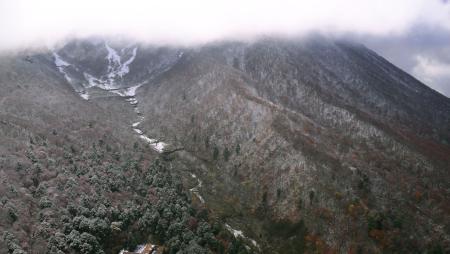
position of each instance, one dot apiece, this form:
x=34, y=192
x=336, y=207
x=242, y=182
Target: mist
x=390, y=27
x=25, y=23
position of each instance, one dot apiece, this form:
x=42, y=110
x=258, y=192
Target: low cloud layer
x=25, y=23
x=28, y=21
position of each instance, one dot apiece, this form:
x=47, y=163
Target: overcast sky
x=413, y=34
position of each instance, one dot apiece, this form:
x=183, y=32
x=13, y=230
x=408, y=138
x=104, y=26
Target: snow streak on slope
x=195, y=190
x=124, y=68
x=110, y=81
x=62, y=66
x=59, y=62
x=115, y=72
x=130, y=94
x=239, y=234
x=113, y=58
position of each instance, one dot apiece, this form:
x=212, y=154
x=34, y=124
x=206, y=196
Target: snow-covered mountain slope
x=110, y=77
x=95, y=68
x=314, y=144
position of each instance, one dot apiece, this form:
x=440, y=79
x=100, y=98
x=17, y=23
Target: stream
x=116, y=70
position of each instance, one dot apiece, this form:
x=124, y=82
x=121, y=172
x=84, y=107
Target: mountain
x=289, y=146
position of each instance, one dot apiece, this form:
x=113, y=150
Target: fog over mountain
x=419, y=26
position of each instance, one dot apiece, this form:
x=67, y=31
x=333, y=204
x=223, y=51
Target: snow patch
x=128, y=92
x=140, y=249
x=235, y=232
x=138, y=131
x=133, y=101
x=92, y=81
x=84, y=96
x=59, y=62
x=131, y=91
x=113, y=58
x=61, y=66
x=159, y=147
x=115, y=70
x=155, y=144
x=147, y=139
x=124, y=69
x=239, y=233
x=115, y=67
x=195, y=189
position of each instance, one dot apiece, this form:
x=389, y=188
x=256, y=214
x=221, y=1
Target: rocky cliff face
x=312, y=145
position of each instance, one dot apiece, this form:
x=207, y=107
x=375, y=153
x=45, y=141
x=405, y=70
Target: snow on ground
x=138, y=131
x=84, y=96
x=195, y=189
x=200, y=183
x=140, y=248
x=115, y=67
x=113, y=60
x=127, y=92
x=61, y=65
x=124, y=69
x=131, y=91
x=254, y=242
x=147, y=139
x=115, y=70
x=159, y=147
x=155, y=144
x=236, y=233
x=132, y=101
x=239, y=233
x=59, y=62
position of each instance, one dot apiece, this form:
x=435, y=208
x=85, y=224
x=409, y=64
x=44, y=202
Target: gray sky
x=413, y=34
x=422, y=51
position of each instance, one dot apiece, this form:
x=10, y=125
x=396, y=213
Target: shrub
x=44, y=202
x=226, y=154
x=216, y=153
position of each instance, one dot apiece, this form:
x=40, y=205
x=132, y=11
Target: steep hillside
x=283, y=146
x=324, y=136
x=75, y=177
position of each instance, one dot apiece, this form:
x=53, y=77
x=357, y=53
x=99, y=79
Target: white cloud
x=27, y=22
x=434, y=73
